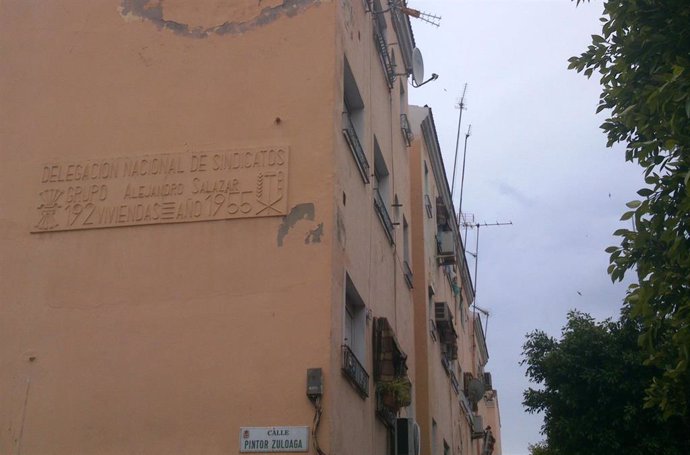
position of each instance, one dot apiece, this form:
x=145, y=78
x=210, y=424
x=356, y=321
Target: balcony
x=446, y=363
x=355, y=147
x=382, y=46
x=406, y=129
x=387, y=415
x=393, y=386
x=382, y=211
x=454, y=382
x=355, y=372
x=428, y=206
x=432, y=329
x=408, y=274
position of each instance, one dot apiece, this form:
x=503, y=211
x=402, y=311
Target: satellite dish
x=417, y=66
x=475, y=389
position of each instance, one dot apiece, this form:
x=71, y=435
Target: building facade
x=456, y=401
x=209, y=234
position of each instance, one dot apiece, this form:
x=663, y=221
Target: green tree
x=643, y=58
x=591, y=388
x=540, y=448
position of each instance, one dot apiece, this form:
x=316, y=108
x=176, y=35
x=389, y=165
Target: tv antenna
x=422, y=16
x=462, y=107
x=487, y=314
x=476, y=247
x=464, y=156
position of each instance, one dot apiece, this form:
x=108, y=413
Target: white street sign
x=274, y=439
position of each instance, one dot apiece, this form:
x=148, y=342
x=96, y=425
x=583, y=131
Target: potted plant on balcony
x=395, y=394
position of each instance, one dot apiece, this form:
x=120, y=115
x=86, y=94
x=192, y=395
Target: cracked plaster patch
x=244, y=16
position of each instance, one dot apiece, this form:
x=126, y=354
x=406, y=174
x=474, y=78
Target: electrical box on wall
x=314, y=382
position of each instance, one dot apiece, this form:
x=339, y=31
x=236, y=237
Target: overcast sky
x=536, y=157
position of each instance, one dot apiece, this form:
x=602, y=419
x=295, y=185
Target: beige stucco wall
x=165, y=338
x=361, y=248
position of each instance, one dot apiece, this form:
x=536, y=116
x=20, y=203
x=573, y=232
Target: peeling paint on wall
x=314, y=235
x=299, y=212
x=153, y=11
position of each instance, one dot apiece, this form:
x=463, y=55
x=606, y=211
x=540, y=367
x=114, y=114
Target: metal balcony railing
x=384, y=56
x=355, y=372
x=408, y=274
x=454, y=382
x=432, y=329
x=427, y=205
x=446, y=363
x=406, y=129
x=355, y=147
x=385, y=218
x=387, y=416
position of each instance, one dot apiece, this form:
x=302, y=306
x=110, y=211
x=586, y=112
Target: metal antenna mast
x=462, y=107
x=487, y=314
x=464, y=155
x=476, y=248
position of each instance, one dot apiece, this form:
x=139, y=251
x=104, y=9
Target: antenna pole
x=476, y=263
x=464, y=155
x=457, y=139
x=476, y=250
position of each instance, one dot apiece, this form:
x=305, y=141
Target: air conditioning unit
x=477, y=424
x=446, y=243
x=442, y=313
x=487, y=382
x=407, y=439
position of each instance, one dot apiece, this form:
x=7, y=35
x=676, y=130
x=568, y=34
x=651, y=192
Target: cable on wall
x=315, y=425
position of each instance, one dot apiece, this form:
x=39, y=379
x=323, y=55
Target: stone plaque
x=162, y=188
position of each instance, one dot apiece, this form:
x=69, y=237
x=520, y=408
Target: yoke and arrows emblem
x=270, y=189
x=48, y=209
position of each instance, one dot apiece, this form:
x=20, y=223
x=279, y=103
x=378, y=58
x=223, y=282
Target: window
x=355, y=321
x=405, y=127
x=354, y=340
x=406, y=253
x=427, y=200
x=426, y=178
x=353, y=121
x=382, y=191
x=463, y=311
x=446, y=448
x=432, y=322
x=381, y=174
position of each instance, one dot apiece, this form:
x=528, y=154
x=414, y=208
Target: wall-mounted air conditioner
x=407, y=437
x=477, y=424
x=446, y=243
x=442, y=313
